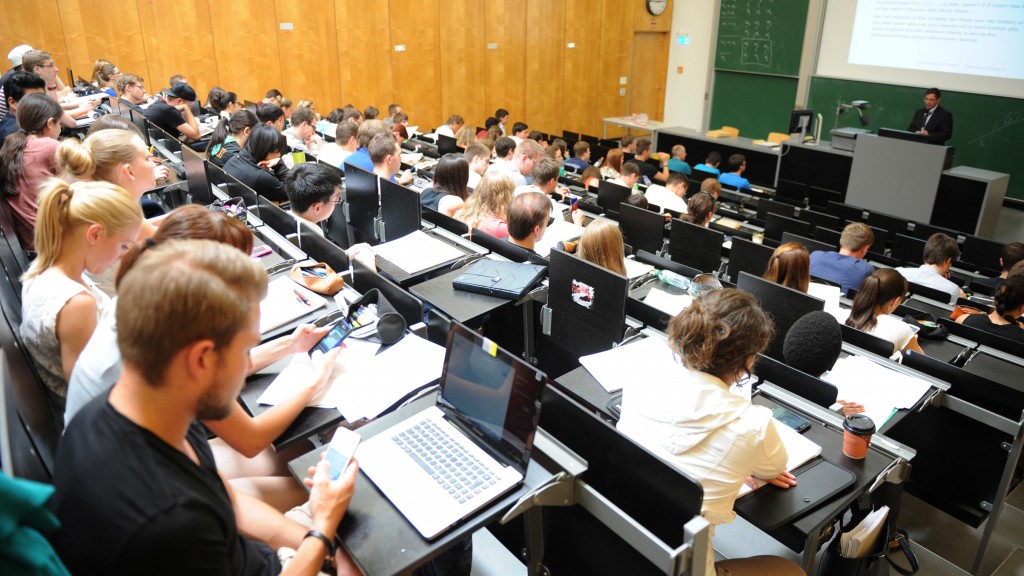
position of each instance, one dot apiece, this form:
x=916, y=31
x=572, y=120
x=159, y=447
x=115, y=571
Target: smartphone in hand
x=341, y=329
x=340, y=451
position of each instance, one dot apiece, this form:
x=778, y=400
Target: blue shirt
x=847, y=271
x=733, y=179
x=677, y=165
x=707, y=168
x=578, y=163
x=360, y=159
x=8, y=126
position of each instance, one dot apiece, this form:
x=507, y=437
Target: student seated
x=591, y=178
x=557, y=149
x=939, y=252
x=612, y=164
x=271, y=115
x=345, y=143
x=528, y=219
x=671, y=195
x=81, y=227
x=711, y=163
x=302, y=135
x=386, y=155
x=602, y=244
x=813, y=345
x=847, y=266
x=649, y=174
x=451, y=127
x=230, y=136
x=133, y=94
x=580, y=156
x=173, y=114
x=734, y=178
x=700, y=209
x=487, y=207
x=711, y=186
x=15, y=87
x=313, y=193
x=790, y=267
x=700, y=418
x=364, y=135
x=1008, y=256
x=449, y=192
x=137, y=488
x=259, y=165
x=629, y=175
x=478, y=155
x=677, y=163
x=1007, y=308
x=879, y=295
x=28, y=160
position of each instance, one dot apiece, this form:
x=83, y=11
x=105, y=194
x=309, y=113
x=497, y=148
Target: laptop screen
x=491, y=394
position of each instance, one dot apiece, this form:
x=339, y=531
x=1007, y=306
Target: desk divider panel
x=588, y=304
x=611, y=195
x=642, y=229
x=444, y=221
x=499, y=246
x=869, y=342
x=802, y=384
x=695, y=246
x=323, y=250
x=410, y=307
x=362, y=200
x=399, y=210
x=280, y=221
x=981, y=252
x=747, y=256
x=784, y=305
x=776, y=224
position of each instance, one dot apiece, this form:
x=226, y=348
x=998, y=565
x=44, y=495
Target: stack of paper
x=558, y=231
x=863, y=539
x=670, y=304
x=799, y=450
x=830, y=294
x=364, y=383
x=286, y=301
x=880, y=390
x=417, y=252
x=646, y=360
x=636, y=269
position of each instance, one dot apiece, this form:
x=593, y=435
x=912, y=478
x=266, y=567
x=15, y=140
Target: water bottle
x=673, y=279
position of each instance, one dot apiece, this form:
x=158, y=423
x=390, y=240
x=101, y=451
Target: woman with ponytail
x=700, y=209
x=85, y=226
x=27, y=160
x=699, y=418
x=878, y=296
x=229, y=136
x=1008, y=307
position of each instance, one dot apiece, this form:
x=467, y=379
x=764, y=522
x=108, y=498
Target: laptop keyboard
x=459, y=473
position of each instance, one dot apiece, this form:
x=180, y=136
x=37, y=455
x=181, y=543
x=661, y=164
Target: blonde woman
x=487, y=207
x=85, y=226
x=602, y=244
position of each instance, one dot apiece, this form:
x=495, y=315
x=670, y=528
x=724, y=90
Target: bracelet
x=320, y=536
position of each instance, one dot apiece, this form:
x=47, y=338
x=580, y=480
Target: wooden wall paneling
x=581, y=68
x=116, y=37
x=245, y=44
x=309, y=68
x=545, y=37
x=645, y=22
x=650, y=61
x=178, y=40
x=416, y=71
x=615, y=53
x=505, y=85
x=364, y=54
x=463, y=60
x=36, y=23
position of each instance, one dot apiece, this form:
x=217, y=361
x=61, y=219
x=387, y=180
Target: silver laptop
x=448, y=461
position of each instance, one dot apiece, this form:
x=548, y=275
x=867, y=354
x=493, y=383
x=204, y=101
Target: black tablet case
x=817, y=482
x=500, y=278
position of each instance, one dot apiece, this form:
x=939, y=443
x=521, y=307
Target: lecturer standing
x=933, y=120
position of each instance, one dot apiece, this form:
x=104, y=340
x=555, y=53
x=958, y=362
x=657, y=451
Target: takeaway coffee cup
x=857, y=432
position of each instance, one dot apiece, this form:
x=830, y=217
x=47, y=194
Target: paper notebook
x=799, y=449
x=648, y=358
x=417, y=252
x=286, y=301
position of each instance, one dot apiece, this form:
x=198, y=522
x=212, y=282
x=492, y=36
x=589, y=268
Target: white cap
x=16, y=53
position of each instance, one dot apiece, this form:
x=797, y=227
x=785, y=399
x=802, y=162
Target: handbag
x=877, y=562
x=319, y=278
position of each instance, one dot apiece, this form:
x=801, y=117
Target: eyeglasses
x=50, y=65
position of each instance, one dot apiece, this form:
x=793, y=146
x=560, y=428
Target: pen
x=300, y=297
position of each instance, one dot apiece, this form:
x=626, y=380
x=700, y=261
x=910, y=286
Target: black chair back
x=695, y=246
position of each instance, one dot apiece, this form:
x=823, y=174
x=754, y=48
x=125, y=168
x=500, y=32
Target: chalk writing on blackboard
x=1008, y=120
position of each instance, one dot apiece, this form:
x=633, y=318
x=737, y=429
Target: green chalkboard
x=754, y=103
x=988, y=131
x=763, y=36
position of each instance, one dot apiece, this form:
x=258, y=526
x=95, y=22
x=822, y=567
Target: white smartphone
x=340, y=451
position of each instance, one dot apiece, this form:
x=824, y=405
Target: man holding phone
x=137, y=488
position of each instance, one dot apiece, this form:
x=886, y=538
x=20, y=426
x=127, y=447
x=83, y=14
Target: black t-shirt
x=1008, y=331
x=646, y=170
x=129, y=503
x=166, y=117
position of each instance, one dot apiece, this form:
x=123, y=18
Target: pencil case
x=318, y=277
